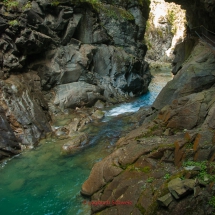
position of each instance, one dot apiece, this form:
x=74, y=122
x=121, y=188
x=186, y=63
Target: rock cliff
x=164, y=29
x=64, y=54
x=166, y=166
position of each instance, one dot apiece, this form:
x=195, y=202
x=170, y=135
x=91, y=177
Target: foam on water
x=144, y=100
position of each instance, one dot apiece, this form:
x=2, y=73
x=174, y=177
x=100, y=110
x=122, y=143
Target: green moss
x=150, y=180
x=212, y=202
x=207, y=169
x=145, y=169
x=166, y=176
x=55, y=3
x=171, y=17
x=27, y=6
x=13, y=23
x=11, y=4
x=160, y=33
x=140, y=208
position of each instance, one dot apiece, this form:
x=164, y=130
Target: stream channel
x=43, y=182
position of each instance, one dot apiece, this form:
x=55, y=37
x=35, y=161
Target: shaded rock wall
x=69, y=54
x=199, y=12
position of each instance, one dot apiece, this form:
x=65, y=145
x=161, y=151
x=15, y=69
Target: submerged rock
x=98, y=114
x=77, y=141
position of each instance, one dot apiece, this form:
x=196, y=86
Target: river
x=43, y=182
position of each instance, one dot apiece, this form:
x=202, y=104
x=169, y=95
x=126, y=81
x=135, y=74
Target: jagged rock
x=77, y=140
x=165, y=200
x=32, y=42
x=71, y=27
x=176, y=188
x=182, y=52
x=3, y=24
x=26, y=107
x=111, y=68
x=65, y=64
x=179, y=188
x=89, y=31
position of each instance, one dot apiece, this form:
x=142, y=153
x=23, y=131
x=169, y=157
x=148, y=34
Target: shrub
x=11, y=4
x=13, y=23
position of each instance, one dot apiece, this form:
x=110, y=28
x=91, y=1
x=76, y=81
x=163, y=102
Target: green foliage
x=212, y=201
x=205, y=167
x=171, y=16
x=11, y=4
x=150, y=180
x=174, y=30
x=167, y=176
x=27, y=6
x=13, y=23
x=113, y=11
x=189, y=145
x=160, y=33
x=109, y=10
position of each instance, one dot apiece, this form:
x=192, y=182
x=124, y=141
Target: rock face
x=200, y=12
x=8, y=142
x=165, y=28
x=147, y=164
x=67, y=55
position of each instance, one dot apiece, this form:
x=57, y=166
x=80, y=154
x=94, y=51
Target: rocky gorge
x=64, y=55
x=166, y=165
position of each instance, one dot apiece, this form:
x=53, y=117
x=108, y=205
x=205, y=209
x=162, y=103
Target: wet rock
x=16, y=185
x=98, y=114
x=77, y=141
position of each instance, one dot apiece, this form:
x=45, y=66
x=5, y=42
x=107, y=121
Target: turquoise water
x=42, y=181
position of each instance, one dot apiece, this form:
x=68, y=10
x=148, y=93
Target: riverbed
x=43, y=181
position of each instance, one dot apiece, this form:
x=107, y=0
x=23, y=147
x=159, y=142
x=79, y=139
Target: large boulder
x=77, y=94
x=196, y=75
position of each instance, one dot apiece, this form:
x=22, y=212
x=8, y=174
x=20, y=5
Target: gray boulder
x=77, y=94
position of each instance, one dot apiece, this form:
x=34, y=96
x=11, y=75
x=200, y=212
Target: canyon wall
x=67, y=54
x=166, y=166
